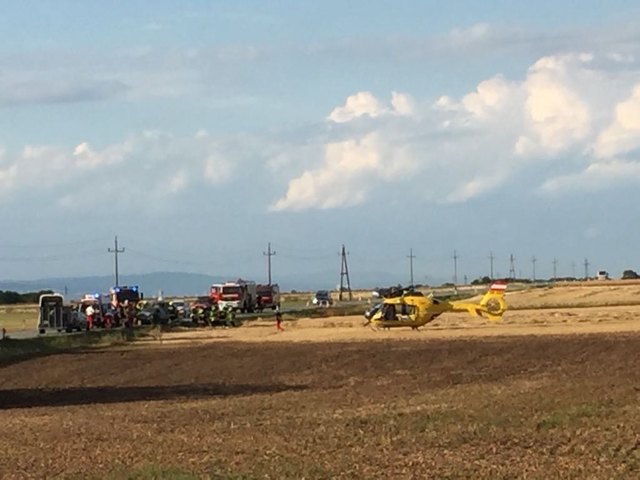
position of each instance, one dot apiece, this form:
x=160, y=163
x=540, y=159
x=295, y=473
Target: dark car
x=322, y=298
x=156, y=313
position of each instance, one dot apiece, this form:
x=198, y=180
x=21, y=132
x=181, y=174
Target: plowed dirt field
x=551, y=393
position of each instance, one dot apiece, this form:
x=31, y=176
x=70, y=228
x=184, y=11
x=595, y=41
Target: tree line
x=13, y=298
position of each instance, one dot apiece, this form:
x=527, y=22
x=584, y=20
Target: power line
x=269, y=254
x=344, y=272
x=512, y=267
x=491, y=258
x=411, y=256
x=586, y=269
x=455, y=267
x=115, y=252
x=533, y=262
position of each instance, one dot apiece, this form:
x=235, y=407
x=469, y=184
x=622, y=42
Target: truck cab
x=268, y=296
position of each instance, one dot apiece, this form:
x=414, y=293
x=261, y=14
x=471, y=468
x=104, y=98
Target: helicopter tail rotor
x=493, y=304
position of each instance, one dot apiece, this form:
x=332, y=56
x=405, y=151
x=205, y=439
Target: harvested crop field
x=549, y=393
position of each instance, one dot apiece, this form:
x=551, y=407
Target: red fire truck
x=268, y=297
x=238, y=295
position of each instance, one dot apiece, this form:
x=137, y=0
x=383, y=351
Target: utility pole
x=512, y=267
x=555, y=268
x=344, y=272
x=533, y=262
x=269, y=254
x=455, y=267
x=411, y=256
x=586, y=269
x=573, y=269
x=491, y=257
x=115, y=252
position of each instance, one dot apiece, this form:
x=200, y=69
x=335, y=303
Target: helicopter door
x=407, y=313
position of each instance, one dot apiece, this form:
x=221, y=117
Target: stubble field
x=550, y=393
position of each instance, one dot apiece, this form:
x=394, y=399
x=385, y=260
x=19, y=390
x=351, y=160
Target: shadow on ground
x=42, y=397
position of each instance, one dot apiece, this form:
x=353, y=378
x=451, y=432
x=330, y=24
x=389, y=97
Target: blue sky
x=198, y=131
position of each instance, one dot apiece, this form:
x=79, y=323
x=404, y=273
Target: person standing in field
x=279, y=320
x=89, y=312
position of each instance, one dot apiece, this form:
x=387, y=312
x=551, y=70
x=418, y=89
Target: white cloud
x=366, y=104
x=402, y=104
x=597, y=176
x=623, y=135
x=86, y=157
x=362, y=103
x=474, y=187
x=148, y=168
x=566, y=121
x=464, y=148
x=340, y=182
x=490, y=96
x=557, y=116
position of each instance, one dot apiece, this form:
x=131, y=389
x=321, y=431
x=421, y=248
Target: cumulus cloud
x=160, y=165
x=623, y=135
x=490, y=96
x=571, y=122
x=557, y=115
x=339, y=182
x=362, y=103
x=366, y=104
x=561, y=121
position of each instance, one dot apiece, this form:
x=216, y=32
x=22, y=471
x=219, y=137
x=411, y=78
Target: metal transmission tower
x=344, y=272
x=491, y=258
x=115, y=252
x=411, y=256
x=455, y=267
x=269, y=254
x=586, y=269
x=555, y=269
x=512, y=267
x=533, y=262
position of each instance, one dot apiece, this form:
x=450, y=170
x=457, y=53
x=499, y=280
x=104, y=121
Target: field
x=18, y=317
x=553, y=392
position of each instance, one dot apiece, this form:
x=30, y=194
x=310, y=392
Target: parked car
x=322, y=298
x=156, y=313
x=181, y=308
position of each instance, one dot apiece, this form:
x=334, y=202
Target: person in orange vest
x=279, y=320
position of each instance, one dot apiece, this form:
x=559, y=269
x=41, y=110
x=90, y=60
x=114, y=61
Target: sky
x=200, y=131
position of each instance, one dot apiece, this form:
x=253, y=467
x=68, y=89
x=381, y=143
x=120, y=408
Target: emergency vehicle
x=268, y=297
x=238, y=295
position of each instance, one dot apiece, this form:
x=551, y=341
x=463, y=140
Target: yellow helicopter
x=409, y=308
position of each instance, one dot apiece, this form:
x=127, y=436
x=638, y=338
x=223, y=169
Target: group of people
x=112, y=315
x=115, y=313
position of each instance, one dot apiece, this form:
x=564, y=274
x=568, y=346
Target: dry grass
x=329, y=399
x=18, y=317
x=535, y=407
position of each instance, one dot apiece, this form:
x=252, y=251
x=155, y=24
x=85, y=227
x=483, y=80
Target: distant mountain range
x=190, y=284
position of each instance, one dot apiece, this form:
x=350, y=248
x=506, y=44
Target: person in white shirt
x=89, y=312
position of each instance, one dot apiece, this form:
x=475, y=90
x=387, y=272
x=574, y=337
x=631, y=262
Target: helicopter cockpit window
x=406, y=311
